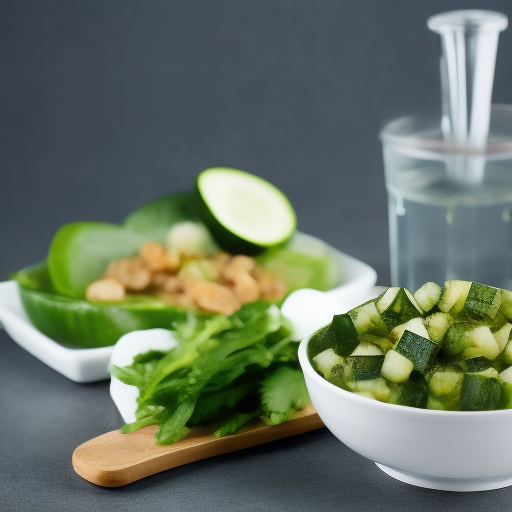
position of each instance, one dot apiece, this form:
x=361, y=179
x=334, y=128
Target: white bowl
x=447, y=450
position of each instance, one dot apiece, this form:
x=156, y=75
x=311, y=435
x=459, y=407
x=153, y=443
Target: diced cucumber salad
x=445, y=348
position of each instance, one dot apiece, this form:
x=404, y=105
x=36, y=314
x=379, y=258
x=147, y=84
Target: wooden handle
x=116, y=459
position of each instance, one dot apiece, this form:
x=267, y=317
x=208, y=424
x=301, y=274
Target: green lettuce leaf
x=215, y=374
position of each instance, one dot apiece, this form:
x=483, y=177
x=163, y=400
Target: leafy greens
x=224, y=372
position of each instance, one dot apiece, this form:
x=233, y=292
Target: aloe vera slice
x=79, y=323
x=80, y=252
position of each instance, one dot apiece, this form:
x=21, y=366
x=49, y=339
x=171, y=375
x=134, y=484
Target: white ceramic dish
x=446, y=450
x=80, y=365
x=89, y=365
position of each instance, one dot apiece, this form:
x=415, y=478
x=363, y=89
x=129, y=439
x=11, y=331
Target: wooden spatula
x=116, y=459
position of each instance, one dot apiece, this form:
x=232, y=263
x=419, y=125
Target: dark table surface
x=106, y=105
x=44, y=417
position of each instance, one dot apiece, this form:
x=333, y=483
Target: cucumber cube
x=417, y=349
x=467, y=340
x=437, y=325
x=396, y=367
x=383, y=343
x=326, y=360
x=480, y=393
x=367, y=349
x=367, y=319
x=412, y=393
x=489, y=372
x=454, y=296
x=374, y=388
x=340, y=335
x=502, y=336
x=398, y=306
x=477, y=364
x=387, y=298
x=428, y=296
x=506, y=375
x=506, y=303
x=436, y=404
x=365, y=367
x=507, y=353
x=396, y=333
x=484, y=343
x=445, y=383
x=416, y=326
x=482, y=301
x=343, y=334
x=506, y=395
x=339, y=375
x=319, y=342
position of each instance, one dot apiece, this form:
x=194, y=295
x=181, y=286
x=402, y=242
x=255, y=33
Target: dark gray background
x=105, y=105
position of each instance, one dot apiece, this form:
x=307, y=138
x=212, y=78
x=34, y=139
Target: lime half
x=245, y=213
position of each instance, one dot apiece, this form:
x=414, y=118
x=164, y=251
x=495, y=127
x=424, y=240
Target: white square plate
x=80, y=364
x=90, y=364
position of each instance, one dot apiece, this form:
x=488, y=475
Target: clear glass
x=442, y=224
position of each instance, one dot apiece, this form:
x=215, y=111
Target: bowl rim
x=308, y=369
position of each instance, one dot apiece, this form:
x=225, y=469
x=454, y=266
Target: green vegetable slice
x=86, y=324
x=245, y=213
x=396, y=367
x=502, y=336
x=340, y=335
x=80, y=252
x=437, y=324
x=506, y=303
